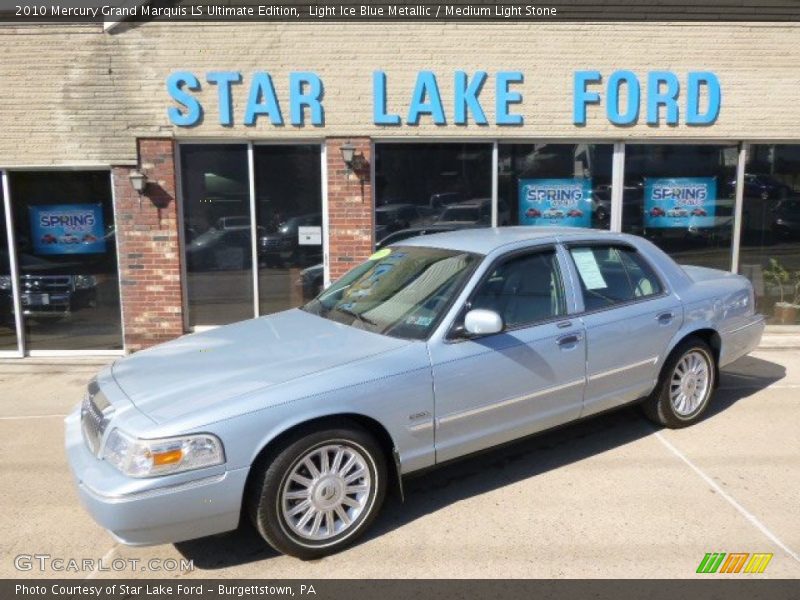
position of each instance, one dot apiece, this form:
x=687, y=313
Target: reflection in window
x=217, y=233
x=289, y=217
x=609, y=275
x=523, y=290
x=423, y=188
x=555, y=184
x=682, y=198
x=770, y=240
x=8, y=335
x=66, y=251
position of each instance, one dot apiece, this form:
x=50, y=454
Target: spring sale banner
x=564, y=202
x=67, y=229
x=678, y=202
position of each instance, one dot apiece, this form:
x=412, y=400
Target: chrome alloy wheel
x=326, y=491
x=690, y=384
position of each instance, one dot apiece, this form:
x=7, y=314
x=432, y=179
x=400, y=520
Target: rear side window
x=612, y=275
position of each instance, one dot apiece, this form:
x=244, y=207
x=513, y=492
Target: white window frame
x=22, y=345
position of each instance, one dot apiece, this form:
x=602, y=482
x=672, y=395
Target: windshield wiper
x=352, y=313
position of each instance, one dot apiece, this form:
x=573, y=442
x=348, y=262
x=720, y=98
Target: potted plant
x=785, y=312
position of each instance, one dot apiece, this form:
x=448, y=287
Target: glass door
x=288, y=185
x=246, y=201
x=217, y=233
x=9, y=338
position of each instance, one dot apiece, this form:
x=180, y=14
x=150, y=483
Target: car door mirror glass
x=480, y=321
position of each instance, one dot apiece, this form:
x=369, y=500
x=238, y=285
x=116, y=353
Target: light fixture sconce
x=348, y=154
x=138, y=181
x=355, y=161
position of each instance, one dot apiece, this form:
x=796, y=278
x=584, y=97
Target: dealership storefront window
x=221, y=203
x=441, y=185
x=769, y=252
x=555, y=184
x=65, y=252
x=8, y=329
x=681, y=197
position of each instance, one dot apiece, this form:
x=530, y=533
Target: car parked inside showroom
x=433, y=349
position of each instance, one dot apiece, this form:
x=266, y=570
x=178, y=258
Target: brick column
x=149, y=253
x=350, y=206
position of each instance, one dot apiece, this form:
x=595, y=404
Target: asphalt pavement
x=608, y=497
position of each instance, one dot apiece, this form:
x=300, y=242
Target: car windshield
x=401, y=291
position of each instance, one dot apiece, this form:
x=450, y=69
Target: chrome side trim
x=160, y=491
x=493, y=406
x=760, y=320
x=641, y=363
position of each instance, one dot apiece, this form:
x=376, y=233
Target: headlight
x=83, y=282
x=150, y=458
x=5, y=282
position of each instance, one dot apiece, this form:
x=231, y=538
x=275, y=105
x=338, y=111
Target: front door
x=530, y=377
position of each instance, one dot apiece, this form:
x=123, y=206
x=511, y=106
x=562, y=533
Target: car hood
x=198, y=371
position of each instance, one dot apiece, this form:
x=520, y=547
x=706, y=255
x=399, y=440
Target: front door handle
x=569, y=340
x=665, y=318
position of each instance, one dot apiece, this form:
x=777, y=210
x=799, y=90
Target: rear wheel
x=684, y=387
x=320, y=492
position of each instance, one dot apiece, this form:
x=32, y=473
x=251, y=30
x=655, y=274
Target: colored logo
x=735, y=562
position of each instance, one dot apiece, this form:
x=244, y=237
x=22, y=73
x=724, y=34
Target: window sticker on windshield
x=381, y=254
x=419, y=321
x=588, y=268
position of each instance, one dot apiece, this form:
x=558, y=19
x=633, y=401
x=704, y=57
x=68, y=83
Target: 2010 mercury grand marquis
x=430, y=350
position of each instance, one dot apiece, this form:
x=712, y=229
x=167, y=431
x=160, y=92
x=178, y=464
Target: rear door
x=527, y=378
x=630, y=317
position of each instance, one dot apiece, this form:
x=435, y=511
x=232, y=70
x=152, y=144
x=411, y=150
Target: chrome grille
x=45, y=283
x=94, y=417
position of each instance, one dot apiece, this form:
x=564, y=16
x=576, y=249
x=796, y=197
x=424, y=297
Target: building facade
x=160, y=178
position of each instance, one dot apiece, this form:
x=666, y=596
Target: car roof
x=484, y=240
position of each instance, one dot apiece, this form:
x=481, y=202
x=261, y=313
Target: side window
x=612, y=275
x=523, y=290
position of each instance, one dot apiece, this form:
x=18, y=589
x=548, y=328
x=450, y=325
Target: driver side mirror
x=480, y=321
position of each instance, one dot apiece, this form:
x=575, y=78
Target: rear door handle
x=665, y=318
x=569, y=340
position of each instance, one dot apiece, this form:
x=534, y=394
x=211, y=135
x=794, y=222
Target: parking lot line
x=730, y=499
x=96, y=571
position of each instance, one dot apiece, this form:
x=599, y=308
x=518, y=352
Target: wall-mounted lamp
x=348, y=154
x=138, y=181
x=355, y=161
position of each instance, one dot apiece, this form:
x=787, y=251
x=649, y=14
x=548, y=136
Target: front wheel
x=684, y=387
x=321, y=491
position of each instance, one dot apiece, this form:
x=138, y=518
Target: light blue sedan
x=430, y=350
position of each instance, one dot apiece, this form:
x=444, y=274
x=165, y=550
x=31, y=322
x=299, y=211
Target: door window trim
x=496, y=262
x=621, y=244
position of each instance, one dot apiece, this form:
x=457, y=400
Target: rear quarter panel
x=723, y=302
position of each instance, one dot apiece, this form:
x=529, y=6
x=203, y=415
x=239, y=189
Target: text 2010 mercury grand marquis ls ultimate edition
x=432, y=349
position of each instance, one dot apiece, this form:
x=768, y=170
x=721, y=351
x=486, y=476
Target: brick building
x=123, y=227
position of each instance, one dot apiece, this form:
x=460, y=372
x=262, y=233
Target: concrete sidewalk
x=608, y=497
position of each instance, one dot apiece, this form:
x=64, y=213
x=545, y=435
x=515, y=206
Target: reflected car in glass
x=301, y=421
x=48, y=290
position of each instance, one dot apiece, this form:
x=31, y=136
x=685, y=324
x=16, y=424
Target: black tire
x=265, y=495
x=659, y=407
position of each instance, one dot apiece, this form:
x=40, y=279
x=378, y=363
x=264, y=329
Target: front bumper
x=157, y=510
